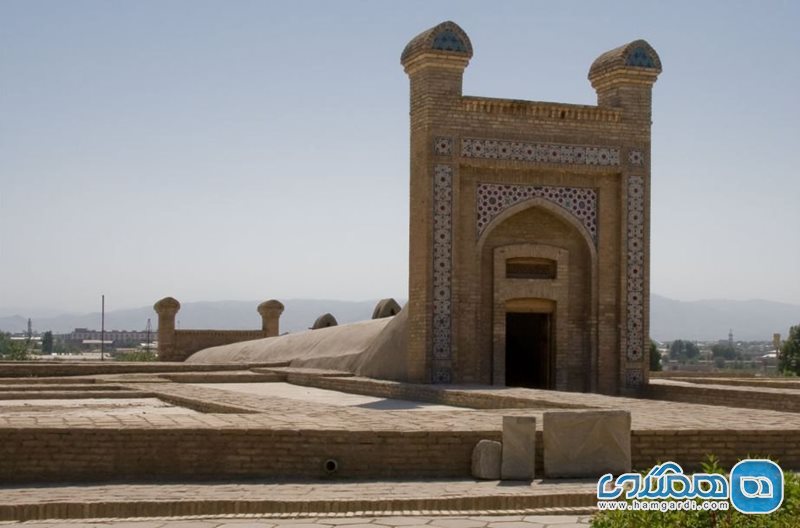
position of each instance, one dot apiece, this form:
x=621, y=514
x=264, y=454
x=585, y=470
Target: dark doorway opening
x=528, y=350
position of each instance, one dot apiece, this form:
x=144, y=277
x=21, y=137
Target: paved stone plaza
x=401, y=448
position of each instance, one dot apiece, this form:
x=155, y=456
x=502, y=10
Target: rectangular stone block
x=519, y=448
x=586, y=443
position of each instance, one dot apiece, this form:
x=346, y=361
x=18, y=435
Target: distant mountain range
x=299, y=314
x=754, y=320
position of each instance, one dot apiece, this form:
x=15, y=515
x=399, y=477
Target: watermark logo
x=756, y=486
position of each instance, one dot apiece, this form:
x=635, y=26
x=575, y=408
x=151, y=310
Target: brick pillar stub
x=270, y=312
x=167, y=308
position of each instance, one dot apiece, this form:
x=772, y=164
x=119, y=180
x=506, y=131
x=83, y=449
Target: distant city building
x=24, y=337
x=117, y=337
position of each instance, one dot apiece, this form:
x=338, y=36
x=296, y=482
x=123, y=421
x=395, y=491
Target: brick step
x=97, y=508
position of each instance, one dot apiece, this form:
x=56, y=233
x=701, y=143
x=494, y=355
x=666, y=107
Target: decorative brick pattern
x=442, y=270
x=443, y=146
x=635, y=157
x=539, y=152
x=492, y=199
x=635, y=275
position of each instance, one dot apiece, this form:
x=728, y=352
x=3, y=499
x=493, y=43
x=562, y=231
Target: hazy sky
x=255, y=149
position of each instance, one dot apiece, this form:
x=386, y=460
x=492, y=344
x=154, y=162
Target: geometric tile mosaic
x=447, y=40
x=539, y=152
x=442, y=374
x=635, y=274
x=443, y=146
x=640, y=58
x=634, y=378
x=442, y=270
x=635, y=157
x=494, y=198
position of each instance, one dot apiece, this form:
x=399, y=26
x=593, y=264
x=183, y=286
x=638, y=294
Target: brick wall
x=187, y=342
x=29, y=455
x=766, y=398
x=688, y=448
x=42, y=369
x=116, y=454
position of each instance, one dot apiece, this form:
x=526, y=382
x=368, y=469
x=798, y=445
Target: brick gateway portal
x=521, y=208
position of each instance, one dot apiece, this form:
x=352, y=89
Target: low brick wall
x=689, y=448
x=769, y=399
x=770, y=383
x=699, y=374
x=58, y=394
x=223, y=377
x=43, y=369
x=48, y=455
x=187, y=342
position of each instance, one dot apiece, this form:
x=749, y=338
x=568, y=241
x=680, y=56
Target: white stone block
x=519, y=448
x=586, y=444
